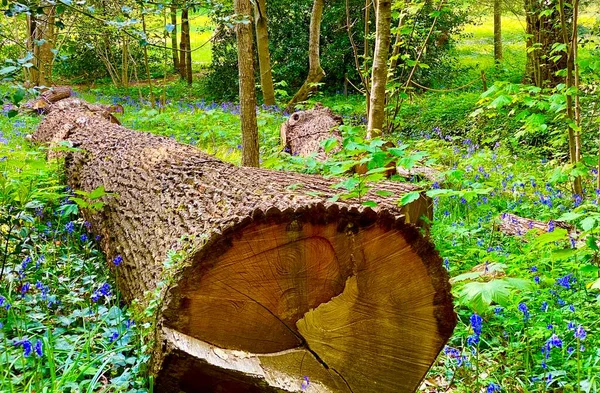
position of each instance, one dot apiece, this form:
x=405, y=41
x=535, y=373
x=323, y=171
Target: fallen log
x=47, y=98
x=280, y=289
x=305, y=131
x=514, y=225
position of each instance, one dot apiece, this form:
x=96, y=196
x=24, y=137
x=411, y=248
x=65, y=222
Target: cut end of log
x=355, y=301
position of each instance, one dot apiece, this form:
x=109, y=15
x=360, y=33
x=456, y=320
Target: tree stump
x=280, y=289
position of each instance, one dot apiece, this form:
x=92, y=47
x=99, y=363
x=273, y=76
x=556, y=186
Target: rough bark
x=264, y=56
x=514, y=225
x=498, y=30
x=279, y=283
x=41, y=29
x=315, y=71
x=380, y=68
x=245, y=45
x=303, y=133
x=174, y=38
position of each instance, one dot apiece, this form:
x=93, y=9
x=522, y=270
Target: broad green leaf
x=409, y=197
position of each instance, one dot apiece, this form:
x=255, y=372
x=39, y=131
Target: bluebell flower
x=473, y=340
x=580, y=333
x=113, y=337
x=571, y=325
x=566, y=281
x=39, y=349
x=25, y=288
x=27, y=347
x=523, y=308
x=536, y=279
x=118, y=259
x=498, y=310
x=550, y=226
x=476, y=323
x=493, y=387
x=83, y=238
x=70, y=227
x=447, y=264
x=534, y=269
x=544, y=307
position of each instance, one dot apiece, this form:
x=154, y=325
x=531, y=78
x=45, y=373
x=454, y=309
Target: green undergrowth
x=63, y=327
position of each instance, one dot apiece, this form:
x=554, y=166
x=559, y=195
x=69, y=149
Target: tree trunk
x=543, y=31
x=174, y=38
x=380, y=68
x=315, y=72
x=264, y=57
x=41, y=29
x=125, y=62
x=147, y=63
x=273, y=285
x=498, y=30
x=185, y=61
x=571, y=42
x=243, y=32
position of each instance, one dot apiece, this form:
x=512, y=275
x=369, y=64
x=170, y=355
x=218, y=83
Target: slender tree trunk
x=571, y=43
x=183, y=44
x=380, y=68
x=174, y=38
x=147, y=63
x=262, y=47
x=185, y=62
x=315, y=72
x=397, y=43
x=125, y=62
x=366, y=54
x=498, y=30
x=243, y=32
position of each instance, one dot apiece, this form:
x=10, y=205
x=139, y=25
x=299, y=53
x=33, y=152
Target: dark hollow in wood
x=280, y=283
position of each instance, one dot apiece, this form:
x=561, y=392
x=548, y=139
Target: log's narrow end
x=357, y=293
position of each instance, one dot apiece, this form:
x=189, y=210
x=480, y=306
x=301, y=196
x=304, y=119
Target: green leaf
x=384, y=193
x=8, y=70
x=97, y=193
x=588, y=223
x=500, y=101
x=592, y=243
x=370, y=203
x=409, y=197
x=569, y=216
x=551, y=237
